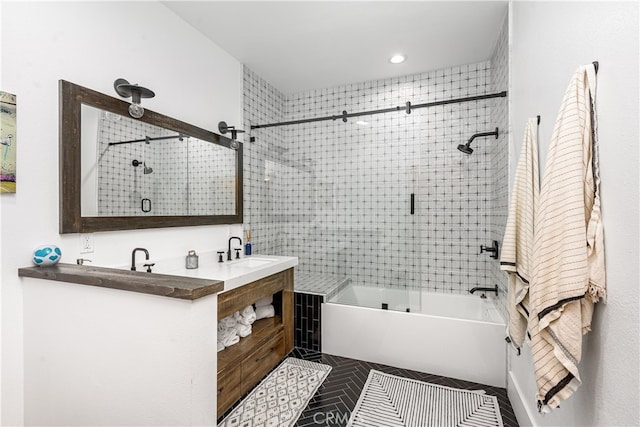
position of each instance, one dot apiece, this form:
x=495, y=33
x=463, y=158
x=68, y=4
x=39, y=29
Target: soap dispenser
x=247, y=246
x=192, y=260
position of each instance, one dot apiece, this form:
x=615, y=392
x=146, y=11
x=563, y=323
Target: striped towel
x=516, y=257
x=569, y=271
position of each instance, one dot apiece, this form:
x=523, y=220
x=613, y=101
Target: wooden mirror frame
x=71, y=98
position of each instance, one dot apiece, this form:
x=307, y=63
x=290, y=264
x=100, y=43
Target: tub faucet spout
x=133, y=257
x=494, y=289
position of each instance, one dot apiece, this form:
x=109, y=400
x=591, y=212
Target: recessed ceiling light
x=398, y=58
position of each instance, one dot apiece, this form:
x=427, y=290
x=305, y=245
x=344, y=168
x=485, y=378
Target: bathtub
x=458, y=336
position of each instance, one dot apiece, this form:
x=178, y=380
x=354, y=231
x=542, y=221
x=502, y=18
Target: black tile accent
x=337, y=396
x=307, y=321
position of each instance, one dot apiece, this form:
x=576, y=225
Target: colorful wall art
x=7, y=143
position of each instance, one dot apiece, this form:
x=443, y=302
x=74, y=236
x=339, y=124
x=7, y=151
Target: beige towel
x=569, y=271
x=516, y=257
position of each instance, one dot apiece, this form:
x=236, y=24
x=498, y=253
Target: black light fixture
x=223, y=127
x=136, y=93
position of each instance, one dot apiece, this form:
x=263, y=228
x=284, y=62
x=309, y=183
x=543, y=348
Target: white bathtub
x=457, y=336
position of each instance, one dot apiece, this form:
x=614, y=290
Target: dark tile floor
x=337, y=396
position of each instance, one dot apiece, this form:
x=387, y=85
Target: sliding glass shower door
x=364, y=210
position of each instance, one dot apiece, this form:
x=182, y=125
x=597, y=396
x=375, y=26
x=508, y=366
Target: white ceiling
x=303, y=45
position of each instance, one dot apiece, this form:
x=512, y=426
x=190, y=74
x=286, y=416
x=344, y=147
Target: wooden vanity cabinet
x=242, y=366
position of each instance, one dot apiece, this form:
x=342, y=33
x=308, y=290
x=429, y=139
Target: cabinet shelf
x=261, y=331
x=243, y=365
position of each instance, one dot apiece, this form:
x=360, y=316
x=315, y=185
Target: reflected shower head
x=147, y=170
x=465, y=148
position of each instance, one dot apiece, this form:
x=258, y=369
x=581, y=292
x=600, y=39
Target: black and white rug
x=387, y=400
x=281, y=397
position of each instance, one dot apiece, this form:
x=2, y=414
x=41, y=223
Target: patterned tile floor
x=337, y=396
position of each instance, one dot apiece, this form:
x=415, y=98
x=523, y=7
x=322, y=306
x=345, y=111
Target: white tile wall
x=337, y=194
x=263, y=193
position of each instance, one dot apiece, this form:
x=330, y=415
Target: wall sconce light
x=223, y=127
x=136, y=93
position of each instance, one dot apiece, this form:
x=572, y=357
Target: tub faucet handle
x=220, y=254
x=149, y=265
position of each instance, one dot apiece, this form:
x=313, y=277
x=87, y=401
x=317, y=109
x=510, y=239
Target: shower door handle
x=413, y=203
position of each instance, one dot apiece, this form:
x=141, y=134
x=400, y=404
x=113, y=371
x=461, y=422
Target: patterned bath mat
x=387, y=400
x=281, y=397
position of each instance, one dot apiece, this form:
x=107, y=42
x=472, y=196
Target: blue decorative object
x=46, y=255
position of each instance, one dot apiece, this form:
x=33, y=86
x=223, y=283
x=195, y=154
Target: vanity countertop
x=135, y=281
x=234, y=274
x=170, y=277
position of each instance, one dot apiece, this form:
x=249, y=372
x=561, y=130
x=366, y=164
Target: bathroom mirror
x=120, y=173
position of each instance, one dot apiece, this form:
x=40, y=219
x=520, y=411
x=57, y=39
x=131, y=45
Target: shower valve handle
x=493, y=249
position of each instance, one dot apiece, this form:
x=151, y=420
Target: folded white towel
x=243, y=330
x=247, y=311
x=221, y=327
x=265, y=311
x=228, y=336
x=231, y=341
x=230, y=321
x=220, y=346
x=226, y=333
x=247, y=320
x=264, y=301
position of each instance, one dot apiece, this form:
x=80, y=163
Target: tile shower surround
x=337, y=194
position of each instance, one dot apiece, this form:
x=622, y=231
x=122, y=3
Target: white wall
x=145, y=360
x=550, y=40
x=92, y=44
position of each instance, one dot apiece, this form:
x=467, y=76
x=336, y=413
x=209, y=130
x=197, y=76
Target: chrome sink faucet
x=229, y=247
x=133, y=257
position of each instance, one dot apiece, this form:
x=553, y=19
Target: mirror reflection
x=121, y=173
x=133, y=168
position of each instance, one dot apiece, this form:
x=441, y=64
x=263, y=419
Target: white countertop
x=234, y=274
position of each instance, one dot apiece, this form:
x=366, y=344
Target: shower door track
x=408, y=107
